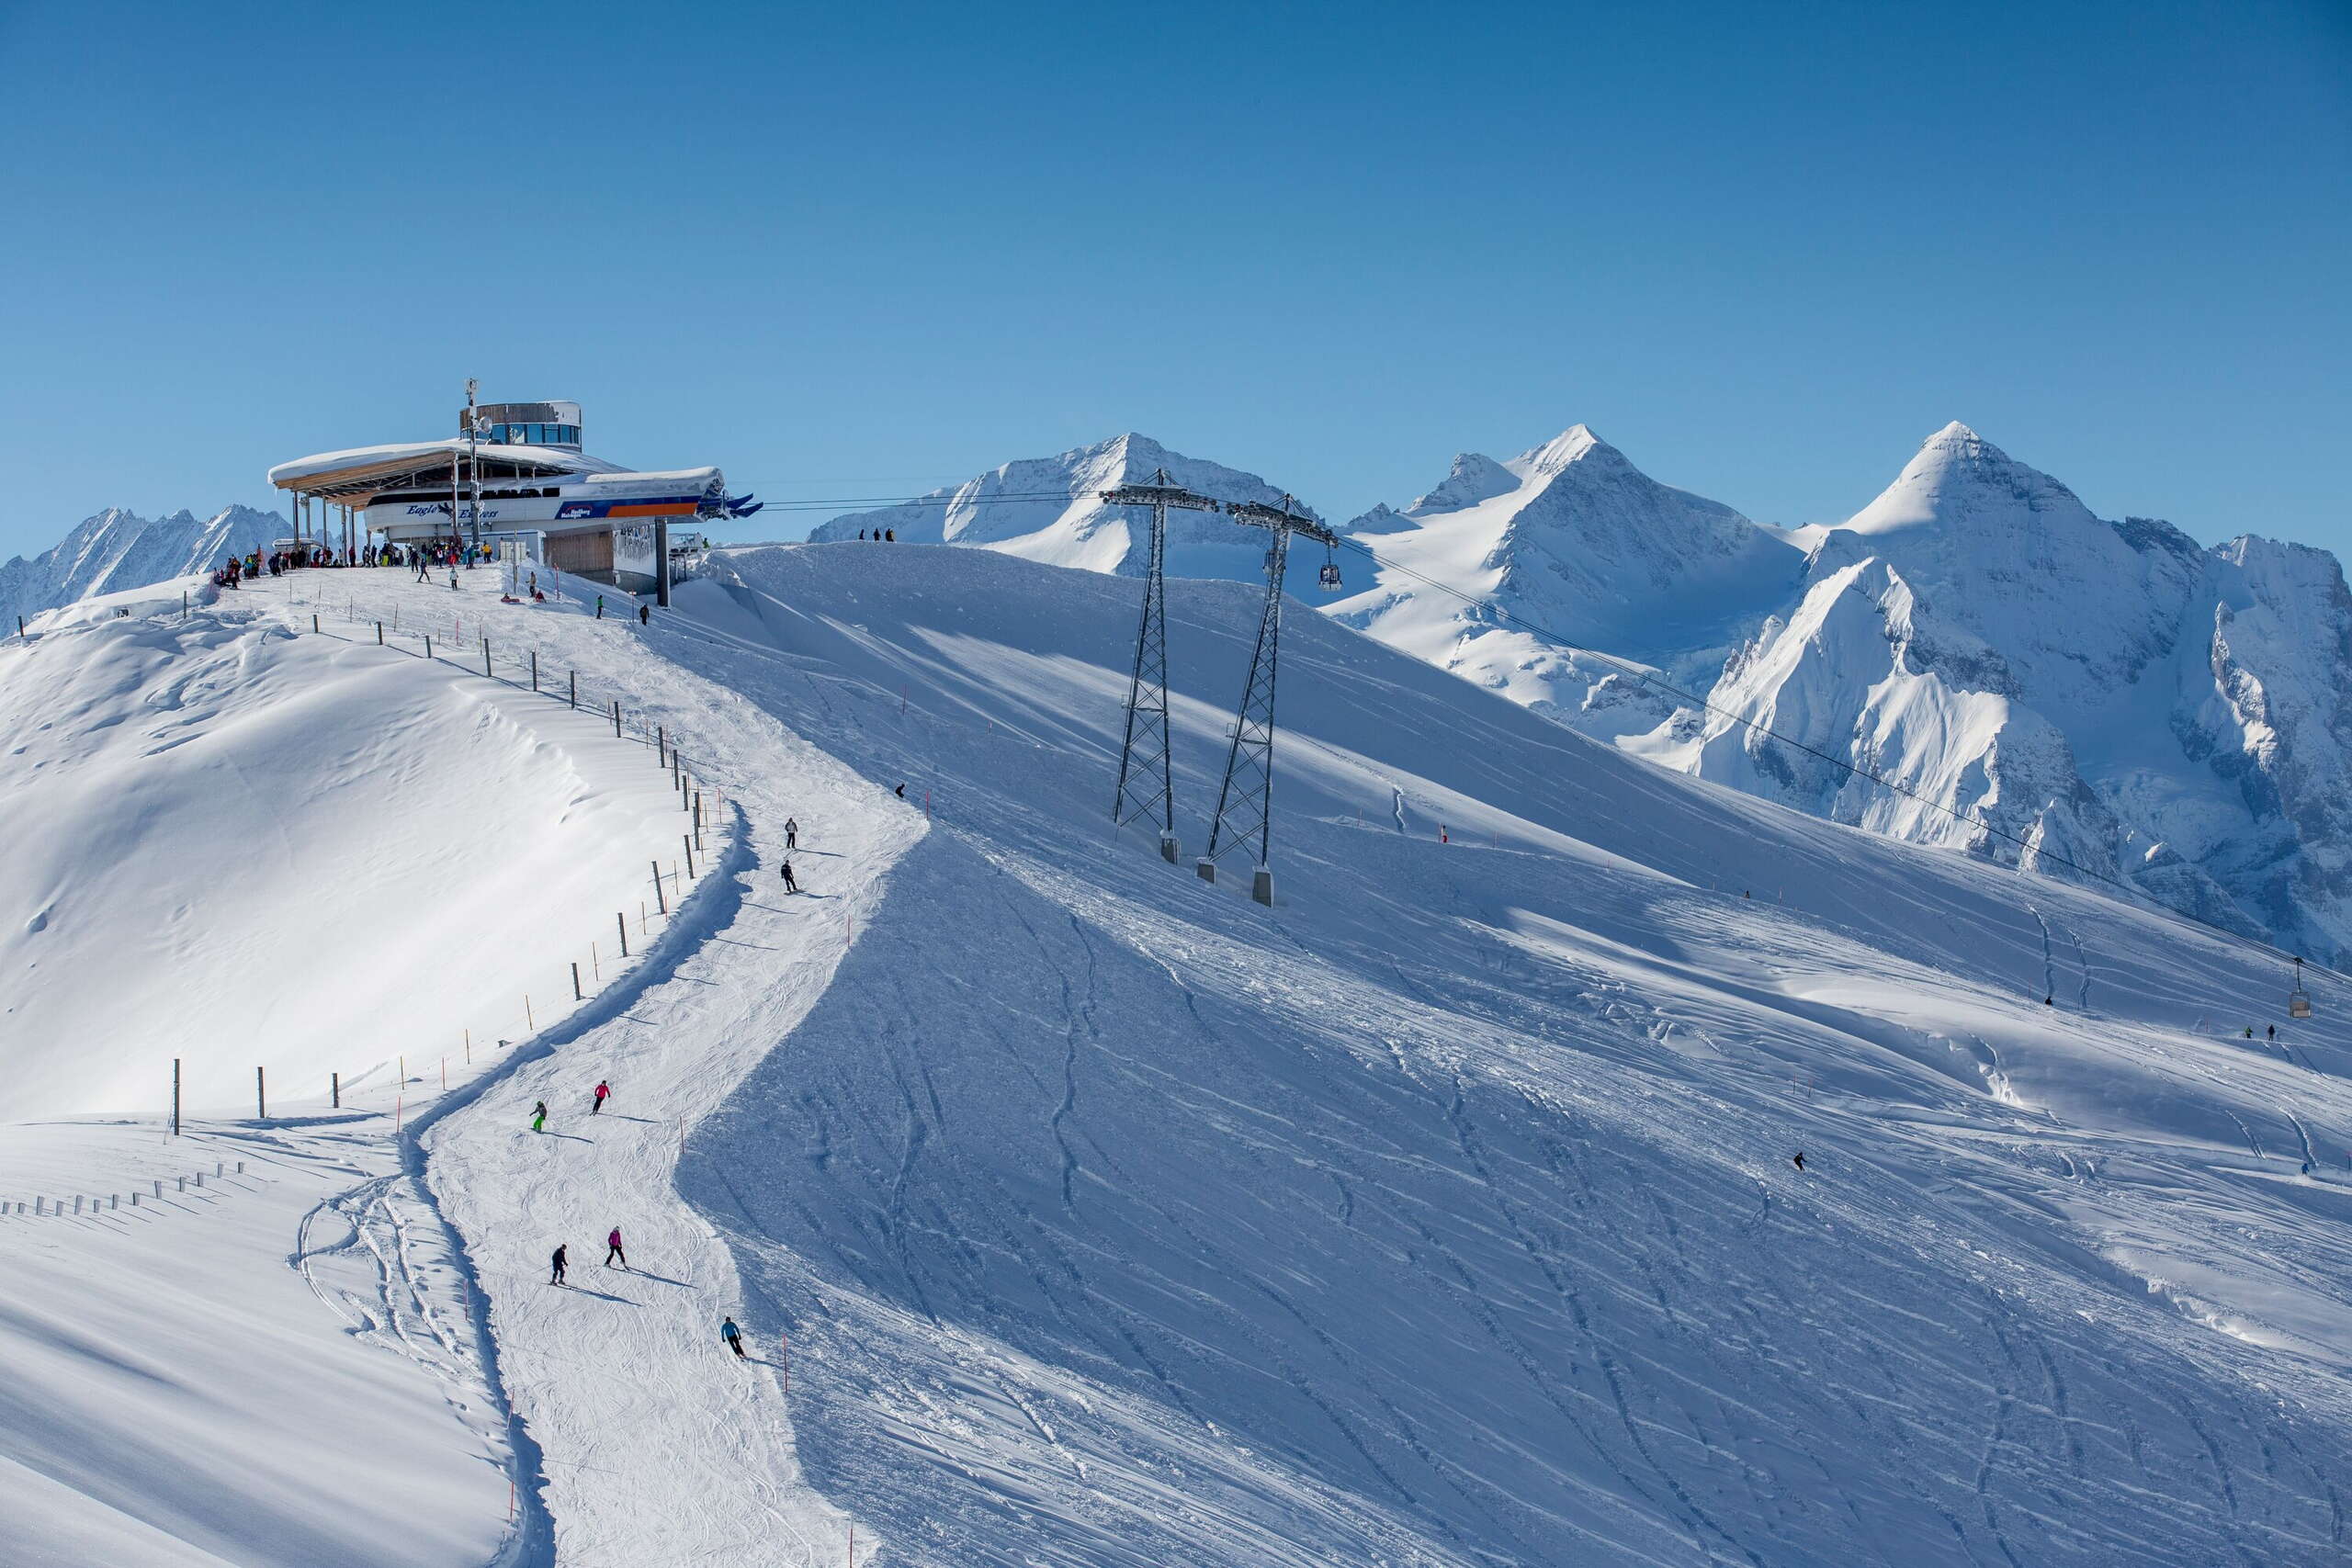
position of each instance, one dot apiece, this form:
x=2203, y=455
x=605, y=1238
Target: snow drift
x=232, y=847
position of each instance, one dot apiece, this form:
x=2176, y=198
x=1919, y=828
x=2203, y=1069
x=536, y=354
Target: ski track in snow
x=1114, y=1221
x=594, y=1370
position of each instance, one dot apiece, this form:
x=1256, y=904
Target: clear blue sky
x=860, y=249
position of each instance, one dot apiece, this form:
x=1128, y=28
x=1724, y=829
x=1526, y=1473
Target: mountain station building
x=537, y=486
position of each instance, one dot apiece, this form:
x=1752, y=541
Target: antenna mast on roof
x=1145, y=786
x=474, y=459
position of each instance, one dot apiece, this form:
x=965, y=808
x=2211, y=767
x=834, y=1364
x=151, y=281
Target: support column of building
x=661, y=561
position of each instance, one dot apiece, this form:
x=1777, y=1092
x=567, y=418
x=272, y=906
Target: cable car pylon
x=1244, y=801
x=1147, y=788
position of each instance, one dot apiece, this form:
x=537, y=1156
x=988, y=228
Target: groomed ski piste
x=1078, y=1212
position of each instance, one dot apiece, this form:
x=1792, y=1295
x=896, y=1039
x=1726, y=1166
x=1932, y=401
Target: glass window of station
x=535, y=434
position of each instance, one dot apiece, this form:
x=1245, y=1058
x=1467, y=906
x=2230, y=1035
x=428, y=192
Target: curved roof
x=383, y=467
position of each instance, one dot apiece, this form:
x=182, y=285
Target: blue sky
x=862, y=250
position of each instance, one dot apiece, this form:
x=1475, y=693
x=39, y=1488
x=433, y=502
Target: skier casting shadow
x=556, y=1277
x=613, y=1249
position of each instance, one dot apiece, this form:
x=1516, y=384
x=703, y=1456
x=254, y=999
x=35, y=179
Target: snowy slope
x=1045, y=509
x=301, y=877
x=1442, y=1214
x=115, y=549
x=177, y=1396
x=239, y=845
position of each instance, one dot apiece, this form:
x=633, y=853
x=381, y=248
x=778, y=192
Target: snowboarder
x=603, y=1090
x=734, y=1337
x=2249, y=1032
x=539, y=1117
x=891, y=535
x=556, y=1278
x=645, y=614
x=791, y=833
x=791, y=884
x=861, y=535
x=903, y=792
x=2272, y=1031
x=1798, y=1160
x=613, y=1249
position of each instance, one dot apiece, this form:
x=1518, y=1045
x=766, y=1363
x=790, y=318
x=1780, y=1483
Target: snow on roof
x=677, y=476
x=357, y=460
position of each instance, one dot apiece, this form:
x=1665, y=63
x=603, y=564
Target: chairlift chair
x=2299, y=1000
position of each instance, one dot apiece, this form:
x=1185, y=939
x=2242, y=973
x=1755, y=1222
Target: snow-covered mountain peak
x=1575, y=444
x=1049, y=509
x=116, y=549
x=1474, y=478
x=1570, y=535
x=1960, y=481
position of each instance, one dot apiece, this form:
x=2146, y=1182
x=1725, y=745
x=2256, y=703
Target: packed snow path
x=656, y=1445
x=623, y=1399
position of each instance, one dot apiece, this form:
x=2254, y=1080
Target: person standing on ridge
x=734, y=1337
x=604, y=1089
x=613, y=1249
x=539, y=1117
x=791, y=833
x=791, y=883
x=556, y=1278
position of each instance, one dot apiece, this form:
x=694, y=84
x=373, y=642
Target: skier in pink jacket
x=613, y=1249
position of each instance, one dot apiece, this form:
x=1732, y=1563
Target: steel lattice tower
x=1245, y=802
x=1147, y=788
